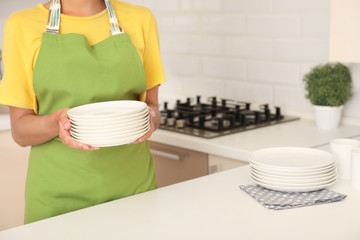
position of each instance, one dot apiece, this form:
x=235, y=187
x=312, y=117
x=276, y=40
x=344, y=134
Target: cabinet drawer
x=174, y=165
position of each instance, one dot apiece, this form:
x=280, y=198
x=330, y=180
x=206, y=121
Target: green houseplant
x=328, y=87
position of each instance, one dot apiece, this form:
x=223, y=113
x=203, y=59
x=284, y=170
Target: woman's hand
x=153, y=119
x=64, y=132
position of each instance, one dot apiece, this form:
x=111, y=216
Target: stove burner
x=217, y=118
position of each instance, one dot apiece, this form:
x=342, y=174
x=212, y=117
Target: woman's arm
x=152, y=102
x=28, y=129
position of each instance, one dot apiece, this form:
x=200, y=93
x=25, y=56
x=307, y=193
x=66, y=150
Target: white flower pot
x=328, y=117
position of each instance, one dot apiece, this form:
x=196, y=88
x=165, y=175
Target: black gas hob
x=215, y=117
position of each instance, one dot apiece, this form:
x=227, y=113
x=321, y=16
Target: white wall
x=251, y=50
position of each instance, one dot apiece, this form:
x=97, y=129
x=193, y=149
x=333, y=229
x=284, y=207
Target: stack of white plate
x=107, y=124
x=292, y=169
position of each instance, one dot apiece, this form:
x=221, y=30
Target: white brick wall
x=251, y=50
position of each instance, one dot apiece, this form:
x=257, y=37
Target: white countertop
x=301, y=133
x=211, y=207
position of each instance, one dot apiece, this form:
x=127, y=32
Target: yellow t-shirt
x=22, y=40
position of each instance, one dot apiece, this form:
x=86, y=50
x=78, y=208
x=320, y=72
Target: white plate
x=295, y=180
x=291, y=170
x=100, y=130
x=285, y=184
x=112, y=143
x=289, y=158
x=110, y=108
x=113, y=124
x=110, y=133
x=293, y=189
x=129, y=118
x=295, y=176
x=120, y=117
x=112, y=137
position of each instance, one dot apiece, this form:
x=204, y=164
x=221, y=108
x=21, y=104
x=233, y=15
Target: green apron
x=68, y=73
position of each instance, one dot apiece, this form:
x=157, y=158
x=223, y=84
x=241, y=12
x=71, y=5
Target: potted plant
x=328, y=88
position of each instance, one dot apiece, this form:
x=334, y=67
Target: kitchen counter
x=301, y=133
x=211, y=207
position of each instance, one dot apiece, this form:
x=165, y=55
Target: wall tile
x=182, y=65
x=193, y=44
x=9, y=7
x=273, y=25
x=174, y=84
x=168, y=5
x=301, y=50
x=292, y=97
x=186, y=4
x=203, y=86
x=180, y=23
x=301, y=5
x=315, y=25
x=225, y=68
x=30, y=3
x=249, y=6
x=145, y=3
x=207, y=5
x=248, y=48
x=271, y=72
x=248, y=92
x=224, y=24
x=351, y=108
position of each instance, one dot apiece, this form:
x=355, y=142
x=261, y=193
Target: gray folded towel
x=276, y=200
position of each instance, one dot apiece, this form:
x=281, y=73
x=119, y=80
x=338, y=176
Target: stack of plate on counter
x=292, y=169
x=107, y=124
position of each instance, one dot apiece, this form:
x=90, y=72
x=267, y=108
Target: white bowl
x=109, y=109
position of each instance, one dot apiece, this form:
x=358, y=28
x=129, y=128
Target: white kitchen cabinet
x=219, y=164
x=13, y=166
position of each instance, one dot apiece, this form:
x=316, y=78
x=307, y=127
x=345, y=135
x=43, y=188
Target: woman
x=94, y=51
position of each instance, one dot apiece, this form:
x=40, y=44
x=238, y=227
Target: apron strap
x=114, y=24
x=53, y=25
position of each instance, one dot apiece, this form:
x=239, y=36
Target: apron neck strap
x=53, y=25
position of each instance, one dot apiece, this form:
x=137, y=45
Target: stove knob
x=244, y=121
x=180, y=123
x=165, y=105
x=214, y=103
x=198, y=99
x=278, y=113
x=247, y=106
x=188, y=101
x=223, y=103
x=267, y=114
x=201, y=121
x=163, y=120
x=257, y=117
x=171, y=122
